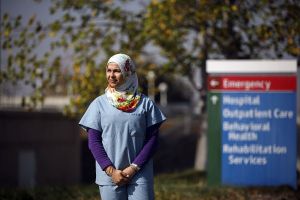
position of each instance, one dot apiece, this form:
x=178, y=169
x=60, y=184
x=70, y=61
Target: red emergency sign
x=255, y=83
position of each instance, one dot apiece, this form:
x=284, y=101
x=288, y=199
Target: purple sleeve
x=97, y=149
x=150, y=145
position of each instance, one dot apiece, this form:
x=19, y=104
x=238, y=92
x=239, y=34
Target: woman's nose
x=112, y=74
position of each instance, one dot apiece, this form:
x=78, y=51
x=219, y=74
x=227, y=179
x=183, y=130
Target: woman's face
x=114, y=75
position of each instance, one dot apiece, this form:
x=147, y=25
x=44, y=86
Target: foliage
x=187, y=33
x=186, y=185
x=80, y=41
x=190, y=32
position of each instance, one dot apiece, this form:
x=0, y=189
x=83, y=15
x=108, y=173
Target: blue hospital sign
x=257, y=128
x=258, y=138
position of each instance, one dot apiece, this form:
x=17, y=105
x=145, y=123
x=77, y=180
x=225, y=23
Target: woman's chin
x=113, y=85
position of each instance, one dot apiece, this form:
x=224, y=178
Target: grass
x=187, y=185
x=191, y=185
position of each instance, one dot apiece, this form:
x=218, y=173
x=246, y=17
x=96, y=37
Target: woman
x=122, y=127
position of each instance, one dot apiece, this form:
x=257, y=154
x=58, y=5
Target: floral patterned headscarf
x=125, y=97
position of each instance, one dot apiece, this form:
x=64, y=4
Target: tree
x=85, y=32
x=190, y=32
x=187, y=33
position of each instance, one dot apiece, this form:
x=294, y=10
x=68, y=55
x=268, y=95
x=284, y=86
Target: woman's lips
x=113, y=81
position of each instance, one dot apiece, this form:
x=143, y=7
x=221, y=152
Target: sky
x=28, y=8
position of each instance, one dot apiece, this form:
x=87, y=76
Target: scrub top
x=123, y=134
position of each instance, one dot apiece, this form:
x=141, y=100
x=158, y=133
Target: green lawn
x=187, y=185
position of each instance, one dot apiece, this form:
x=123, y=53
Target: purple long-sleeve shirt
x=100, y=155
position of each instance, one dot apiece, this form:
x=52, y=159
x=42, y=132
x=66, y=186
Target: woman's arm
x=100, y=155
x=97, y=149
x=150, y=145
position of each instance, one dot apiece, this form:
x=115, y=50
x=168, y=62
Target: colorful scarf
x=126, y=96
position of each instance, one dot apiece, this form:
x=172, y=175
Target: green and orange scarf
x=125, y=97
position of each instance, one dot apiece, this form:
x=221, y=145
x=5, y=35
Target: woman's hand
x=119, y=177
x=129, y=171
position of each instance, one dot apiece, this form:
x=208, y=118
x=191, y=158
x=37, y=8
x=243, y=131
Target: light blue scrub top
x=123, y=134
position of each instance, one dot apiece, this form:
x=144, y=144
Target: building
x=38, y=147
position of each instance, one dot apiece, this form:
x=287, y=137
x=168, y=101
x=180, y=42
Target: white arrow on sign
x=214, y=99
x=213, y=83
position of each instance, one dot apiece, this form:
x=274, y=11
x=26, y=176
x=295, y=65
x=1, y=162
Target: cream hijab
x=126, y=96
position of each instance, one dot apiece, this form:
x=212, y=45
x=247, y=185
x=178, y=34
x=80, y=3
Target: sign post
x=252, y=122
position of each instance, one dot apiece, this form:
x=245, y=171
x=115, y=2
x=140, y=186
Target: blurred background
x=53, y=58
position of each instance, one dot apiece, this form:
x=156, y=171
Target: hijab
x=126, y=96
